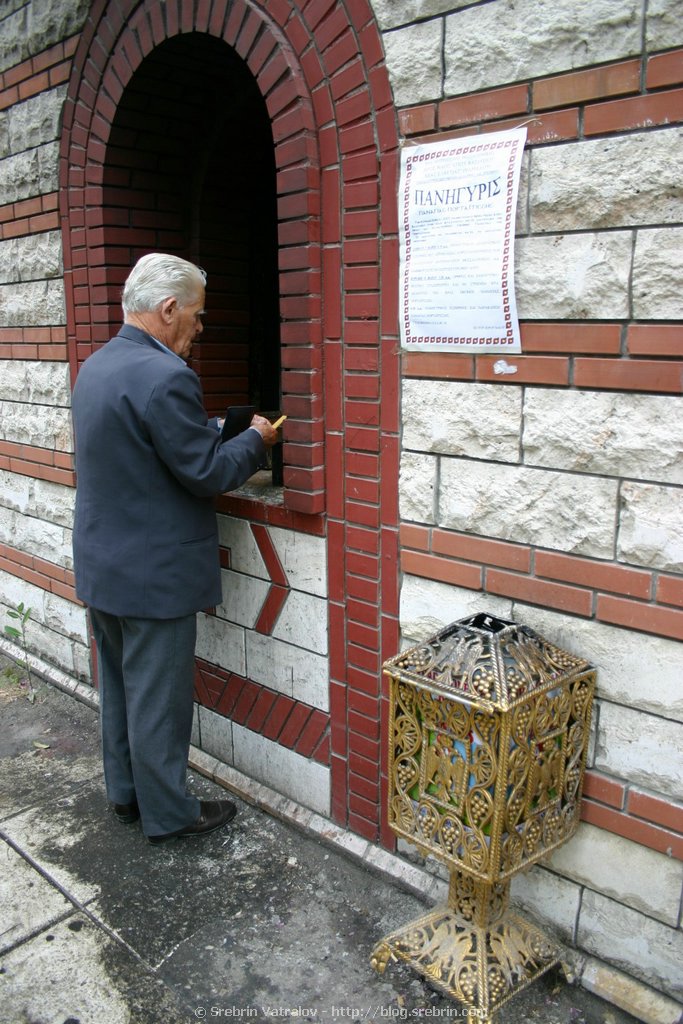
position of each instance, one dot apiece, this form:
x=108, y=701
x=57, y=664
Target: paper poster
x=457, y=204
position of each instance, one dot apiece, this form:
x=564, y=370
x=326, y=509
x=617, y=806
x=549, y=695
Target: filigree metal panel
x=488, y=661
x=488, y=793
x=474, y=950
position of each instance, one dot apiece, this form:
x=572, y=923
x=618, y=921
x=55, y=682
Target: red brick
x=336, y=567
x=32, y=469
x=312, y=733
x=579, y=86
x=364, y=439
x=604, y=790
x=446, y=570
x=340, y=53
x=390, y=591
x=380, y=86
x=308, y=504
x=670, y=590
x=279, y=10
x=416, y=537
x=357, y=137
x=365, y=636
x=368, y=830
x=638, y=112
x=352, y=77
x=9, y=97
x=633, y=828
x=598, y=575
x=371, y=44
x=362, y=589
x=390, y=301
x=366, y=682
x=360, y=539
x=362, y=278
x=17, y=74
x=530, y=370
x=365, y=413
x=260, y=709
x=655, y=340
x=446, y=366
x=361, y=658
x=321, y=754
x=654, y=809
x=208, y=685
x=367, y=769
x=65, y=591
x=364, y=787
x=34, y=85
x=360, y=489
x=332, y=25
x=362, y=564
x=526, y=588
x=417, y=120
x=484, y=106
x=28, y=207
x=294, y=726
x=360, y=250
x=361, y=725
x=628, y=374
x=278, y=716
x=14, y=555
x=362, y=463
x=359, y=805
x=231, y=692
x=337, y=645
x=339, y=787
x=551, y=126
x=44, y=222
x=361, y=165
x=647, y=618
x=664, y=69
x=474, y=549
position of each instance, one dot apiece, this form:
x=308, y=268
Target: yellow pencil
x=278, y=423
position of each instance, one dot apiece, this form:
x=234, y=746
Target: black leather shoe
x=213, y=814
x=126, y=813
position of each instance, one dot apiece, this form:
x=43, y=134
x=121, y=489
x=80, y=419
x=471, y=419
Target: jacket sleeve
x=190, y=446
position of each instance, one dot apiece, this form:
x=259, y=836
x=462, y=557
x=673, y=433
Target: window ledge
x=260, y=487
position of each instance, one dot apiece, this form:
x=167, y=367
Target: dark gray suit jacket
x=148, y=464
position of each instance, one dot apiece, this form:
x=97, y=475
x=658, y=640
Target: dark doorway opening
x=190, y=169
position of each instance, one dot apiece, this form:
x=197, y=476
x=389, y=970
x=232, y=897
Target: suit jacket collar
x=136, y=334
x=141, y=337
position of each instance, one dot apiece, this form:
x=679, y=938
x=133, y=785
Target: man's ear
x=168, y=309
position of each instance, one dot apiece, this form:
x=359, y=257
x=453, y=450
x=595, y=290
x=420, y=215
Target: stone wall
x=552, y=494
x=36, y=445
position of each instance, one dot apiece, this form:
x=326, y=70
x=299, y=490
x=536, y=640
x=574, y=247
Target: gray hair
x=160, y=276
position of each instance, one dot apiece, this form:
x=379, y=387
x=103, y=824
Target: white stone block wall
x=36, y=443
x=259, y=758
x=556, y=503
x=290, y=656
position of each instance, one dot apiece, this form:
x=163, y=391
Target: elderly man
x=148, y=464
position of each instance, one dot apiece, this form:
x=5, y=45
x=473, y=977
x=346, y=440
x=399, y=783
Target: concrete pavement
x=257, y=921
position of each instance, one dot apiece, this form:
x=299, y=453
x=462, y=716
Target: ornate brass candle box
x=489, y=728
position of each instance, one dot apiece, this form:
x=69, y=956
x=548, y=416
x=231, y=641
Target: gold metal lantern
x=489, y=727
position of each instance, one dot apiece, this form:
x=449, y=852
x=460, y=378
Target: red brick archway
x=319, y=68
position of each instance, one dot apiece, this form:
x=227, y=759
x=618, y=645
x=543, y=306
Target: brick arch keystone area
x=319, y=66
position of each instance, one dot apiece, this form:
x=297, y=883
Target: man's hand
x=266, y=430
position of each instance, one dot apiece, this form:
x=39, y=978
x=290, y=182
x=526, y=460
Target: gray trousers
x=146, y=681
